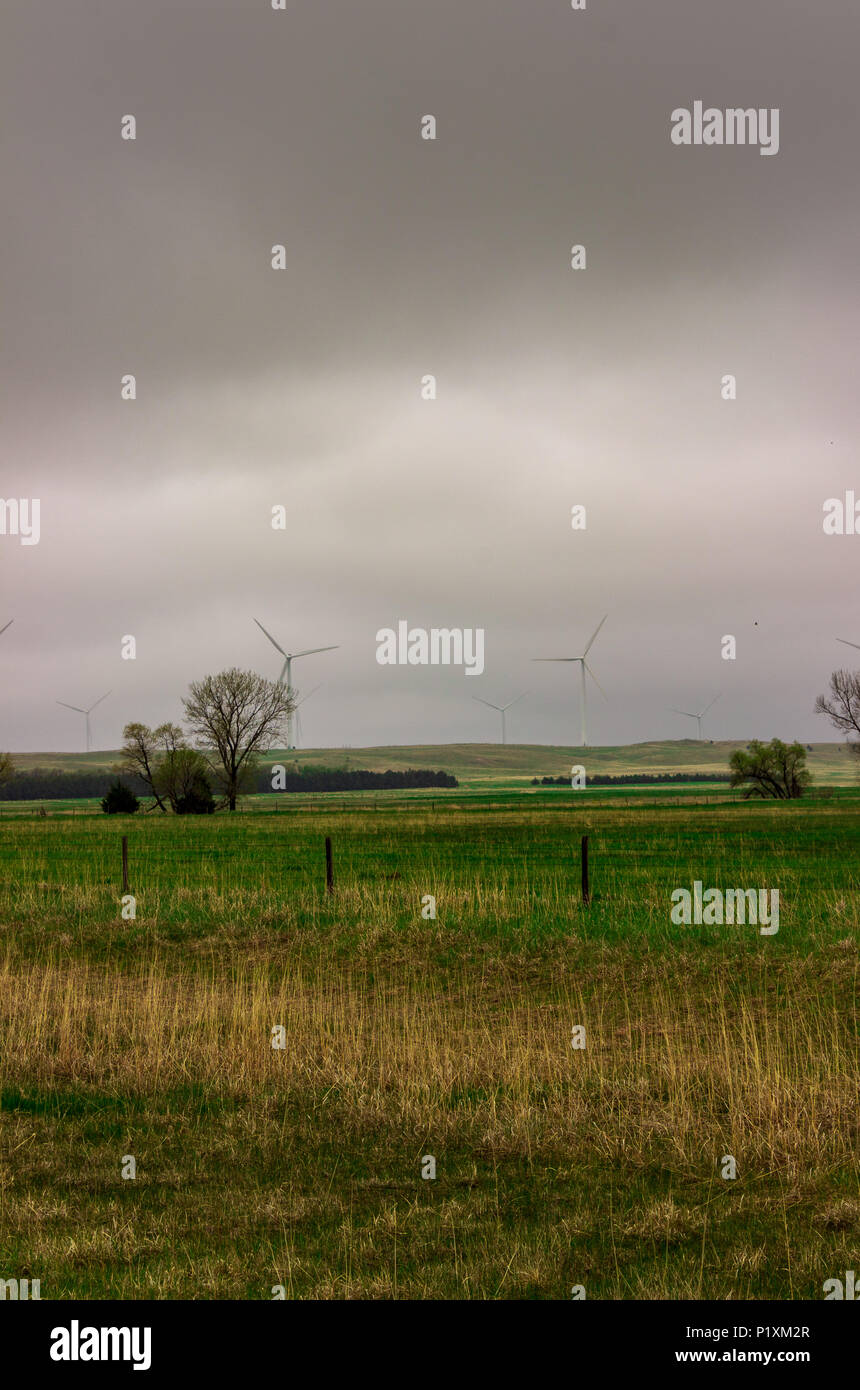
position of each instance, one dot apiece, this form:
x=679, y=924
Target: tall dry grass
x=678, y=1062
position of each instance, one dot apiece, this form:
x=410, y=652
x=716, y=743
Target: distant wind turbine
x=583, y=667
x=287, y=670
x=501, y=709
x=86, y=712
x=698, y=717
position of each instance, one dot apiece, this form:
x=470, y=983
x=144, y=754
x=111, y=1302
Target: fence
x=179, y=855
x=329, y=867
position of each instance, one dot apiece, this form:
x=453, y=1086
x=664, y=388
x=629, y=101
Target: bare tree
x=842, y=705
x=144, y=749
x=774, y=769
x=236, y=715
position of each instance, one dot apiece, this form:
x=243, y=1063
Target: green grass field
x=407, y=1036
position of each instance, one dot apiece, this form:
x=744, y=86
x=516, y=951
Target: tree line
x=50, y=784
x=347, y=780
x=774, y=769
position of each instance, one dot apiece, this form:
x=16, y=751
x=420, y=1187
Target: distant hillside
x=491, y=762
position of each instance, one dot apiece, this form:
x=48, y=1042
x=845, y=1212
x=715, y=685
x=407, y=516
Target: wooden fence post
x=125, y=863
x=586, y=893
x=329, y=872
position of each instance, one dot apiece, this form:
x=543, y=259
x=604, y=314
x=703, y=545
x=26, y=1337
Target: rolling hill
x=492, y=762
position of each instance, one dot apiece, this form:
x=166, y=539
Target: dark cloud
x=405, y=257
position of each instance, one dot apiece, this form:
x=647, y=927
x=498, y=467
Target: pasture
x=407, y=1036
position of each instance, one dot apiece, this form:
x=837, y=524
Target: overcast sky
x=405, y=256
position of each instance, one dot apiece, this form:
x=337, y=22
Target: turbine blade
x=312, y=652
x=308, y=696
x=513, y=702
x=270, y=637
x=594, y=678
x=707, y=707
x=11, y=621
x=556, y=658
x=487, y=703
x=98, y=702
x=683, y=711
x=839, y=639
x=77, y=708
x=595, y=632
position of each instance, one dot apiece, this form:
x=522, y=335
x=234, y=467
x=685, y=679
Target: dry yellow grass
x=688, y=1065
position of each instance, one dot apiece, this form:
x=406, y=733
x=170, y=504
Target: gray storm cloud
x=301, y=388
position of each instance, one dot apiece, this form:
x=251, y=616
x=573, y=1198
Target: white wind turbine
x=287, y=670
x=501, y=709
x=698, y=717
x=86, y=712
x=583, y=667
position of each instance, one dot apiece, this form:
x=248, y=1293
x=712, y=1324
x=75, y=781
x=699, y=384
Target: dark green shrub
x=120, y=800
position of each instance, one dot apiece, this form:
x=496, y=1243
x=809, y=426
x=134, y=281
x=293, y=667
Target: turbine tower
x=501, y=709
x=9, y=624
x=583, y=667
x=86, y=712
x=698, y=717
x=287, y=670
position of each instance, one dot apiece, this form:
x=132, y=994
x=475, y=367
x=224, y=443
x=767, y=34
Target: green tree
x=181, y=779
x=120, y=800
x=774, y=769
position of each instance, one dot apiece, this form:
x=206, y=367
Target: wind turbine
x=287, y=670
x=501, y=708
x=839, y=639
x=698, y=717
x=583, y=667
x=9, y=624
x=86, y=712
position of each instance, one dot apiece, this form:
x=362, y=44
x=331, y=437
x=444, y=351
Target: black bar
x=199, y=1337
